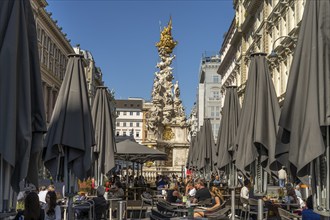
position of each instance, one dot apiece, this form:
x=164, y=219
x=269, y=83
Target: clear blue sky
x=121, y=35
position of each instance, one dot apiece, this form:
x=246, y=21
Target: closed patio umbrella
x=206, y=148
x=258, y=124
x=305, y=117
x=22, y=113
x=104, y=134
x=228, y=128
x=189, y=163
x=226, y=139
x=68, y=143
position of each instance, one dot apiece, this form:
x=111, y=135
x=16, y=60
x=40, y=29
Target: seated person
x=116, y=190
x=309, y=214
x=100, y=204
x=203, y=193
x=32, y=208
x=52, y=209
x=173, y=193
x=216, y=181
x=217, y=200
x=190, y=190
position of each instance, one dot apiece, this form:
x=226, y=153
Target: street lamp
x=273, y=54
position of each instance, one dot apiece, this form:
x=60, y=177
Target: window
x=215, y=95
x=137, y=113
x=215, y=111
x=137, y=134
x=131, y=124
x=124, y=113
x=118, y=124
x=117, y=133
x=215, y=79
x=137, y=124
x=130, y=113
x=118, y=113
x=124, y=133
x=124, y=124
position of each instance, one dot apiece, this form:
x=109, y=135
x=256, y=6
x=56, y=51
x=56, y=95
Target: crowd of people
x=43, y=204
x=288, y=196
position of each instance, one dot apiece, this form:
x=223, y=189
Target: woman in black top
x=32, y=209
x=173, y=193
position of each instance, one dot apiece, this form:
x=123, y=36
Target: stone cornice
x=228, y=35
x=49, y=77
x=56, y=32
x=226, y=60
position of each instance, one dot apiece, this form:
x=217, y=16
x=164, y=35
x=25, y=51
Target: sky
x=121, y=35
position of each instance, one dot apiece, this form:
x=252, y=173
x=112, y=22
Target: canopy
x=132, y=151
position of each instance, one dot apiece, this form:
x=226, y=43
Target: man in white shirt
x=245, y=191
x=282, y=177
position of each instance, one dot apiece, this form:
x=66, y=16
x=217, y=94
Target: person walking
x=282, y=177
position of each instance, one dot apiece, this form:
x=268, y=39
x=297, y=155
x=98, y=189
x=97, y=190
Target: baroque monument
x=167, y=128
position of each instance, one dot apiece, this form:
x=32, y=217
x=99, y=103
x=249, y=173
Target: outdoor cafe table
x=111, y=200
x=135, y=190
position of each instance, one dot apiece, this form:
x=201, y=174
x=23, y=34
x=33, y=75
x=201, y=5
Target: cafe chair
x=205, y=202
x=156, y=215
x=253, y=208
x=286, y=215
x=146, y=200
x=244, y=208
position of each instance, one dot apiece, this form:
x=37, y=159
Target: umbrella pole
x=1, y=183
x=327, y=151
x=232, y=179
x=67, y=179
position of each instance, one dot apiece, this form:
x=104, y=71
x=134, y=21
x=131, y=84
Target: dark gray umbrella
x=258, y=125
x=22, y=112
x=189, y=164
x=206, y=147
x=131, y=151
x=68, y=143
x=256, y=135
x=104, y=134
x=195, y=152
x=226, y=139
x=305, y=116
x=228, y=127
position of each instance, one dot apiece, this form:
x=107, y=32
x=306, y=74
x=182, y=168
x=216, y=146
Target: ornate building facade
x=53, y=48
x=260, y=26
x=166, y=127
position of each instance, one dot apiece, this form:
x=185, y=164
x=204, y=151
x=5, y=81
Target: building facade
x=209, y=95
x=260, y=26
x=54, y=48
x=129, y=120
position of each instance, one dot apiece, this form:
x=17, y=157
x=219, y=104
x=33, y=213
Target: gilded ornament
x=167, y=43
x=168, y=134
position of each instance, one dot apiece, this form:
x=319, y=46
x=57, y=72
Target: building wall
x=129, y=120
x=209, y=94
x=257, y=27
x=53, y=50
